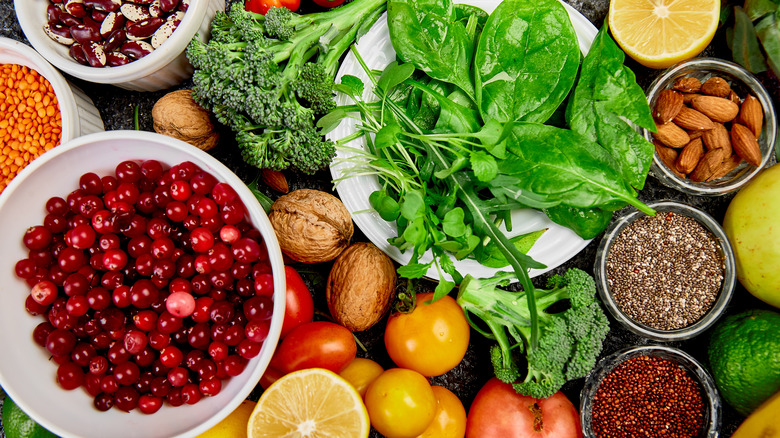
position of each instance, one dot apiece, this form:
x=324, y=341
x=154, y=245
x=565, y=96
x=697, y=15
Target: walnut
x=177, y=115
x=312, y=226
x=360, y=286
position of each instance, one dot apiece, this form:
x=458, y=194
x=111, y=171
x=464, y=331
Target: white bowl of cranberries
x=143, y=288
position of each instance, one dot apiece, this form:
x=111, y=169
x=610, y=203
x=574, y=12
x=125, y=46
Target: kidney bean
x=96, y=56
x=176, y=16
x=98, y=16
x=143, y=29
x=76, y=51
x=136, y=49
x=114, y=59
x=84, y=33
x=163, y=33
x=53, y=14
x=168, y=5
x=59, y=33
x=75, y=8
x=69, y=20
x=155, y=10
x=115, y=40
x=142, y=2
x=134, y=12
x=103, y=5
x=113, y=22
x=183, y=5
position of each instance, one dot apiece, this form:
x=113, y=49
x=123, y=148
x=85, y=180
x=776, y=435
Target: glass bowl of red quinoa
x=666, y=277
x=650, y=391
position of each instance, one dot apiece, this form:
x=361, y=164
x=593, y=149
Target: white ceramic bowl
x=163, y=68
x=26, y=373
x=79, y=115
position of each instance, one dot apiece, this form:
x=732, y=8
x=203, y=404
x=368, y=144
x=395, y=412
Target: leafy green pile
x=754, y=38
x=458, y=145
x=268, y=77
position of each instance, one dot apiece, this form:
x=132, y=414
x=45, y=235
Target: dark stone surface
x=117, y=107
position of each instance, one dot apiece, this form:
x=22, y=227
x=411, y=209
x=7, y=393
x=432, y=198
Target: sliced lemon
x=660, y=33
x=311, y=403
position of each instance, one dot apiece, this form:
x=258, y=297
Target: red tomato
x=318, y=344
x=262, y=6
x=299, y=305
x=499, y=412
x=328, y=3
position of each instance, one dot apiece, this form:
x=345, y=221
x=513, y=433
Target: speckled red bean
x=103, y=5
x=143, y=29
x=114, y=41
x=96, y=56
x=116, y=58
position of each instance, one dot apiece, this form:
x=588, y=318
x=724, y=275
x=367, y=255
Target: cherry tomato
x=328, y=3
x=262, y=6
x=400, y=403
x=361, y=372
x=317, y=344
x=299, y=305
x=449, y=421
x=499, y=412
x=432, y=339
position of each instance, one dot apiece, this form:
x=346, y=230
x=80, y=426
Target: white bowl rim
x=149, y=64
x=62, y=89
x=264, y=226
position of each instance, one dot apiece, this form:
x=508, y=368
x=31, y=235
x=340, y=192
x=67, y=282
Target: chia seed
x=665, y=271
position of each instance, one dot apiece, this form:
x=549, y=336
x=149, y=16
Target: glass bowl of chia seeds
x=666, y=277
x=650, y=390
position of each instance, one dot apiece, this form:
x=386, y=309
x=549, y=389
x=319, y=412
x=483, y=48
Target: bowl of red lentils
x=650, y=391
x=666, y=277
x=39, y=109
x=136, y=45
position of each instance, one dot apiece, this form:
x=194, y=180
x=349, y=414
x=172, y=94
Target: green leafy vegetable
x=526, y=61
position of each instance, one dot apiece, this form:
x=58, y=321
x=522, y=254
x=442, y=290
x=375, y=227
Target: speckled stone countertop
x=116, y=107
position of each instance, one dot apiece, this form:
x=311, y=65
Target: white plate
x=554, y=248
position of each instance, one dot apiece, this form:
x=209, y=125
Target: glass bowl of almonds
x=715, y=127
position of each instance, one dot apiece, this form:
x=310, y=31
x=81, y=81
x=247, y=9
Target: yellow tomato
x=361, y=372
x=432, y=339
x=400, y=403
x=449, y=421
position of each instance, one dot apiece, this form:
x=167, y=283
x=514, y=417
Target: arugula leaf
x=489, y=255
x=426, y=33
x=526, y=61
x=605, y=96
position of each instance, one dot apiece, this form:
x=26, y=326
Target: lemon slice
x=660, y=33
x=311, y=403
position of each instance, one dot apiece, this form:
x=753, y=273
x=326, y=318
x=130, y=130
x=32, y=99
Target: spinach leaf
x=561, y=167
x=606, y=94
x=586, y=222
x=768, y=31
x=744, y=44
x=426, y=34
x=489, y=255
x=526, y=61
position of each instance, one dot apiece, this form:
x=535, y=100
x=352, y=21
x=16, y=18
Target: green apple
x=752, y=224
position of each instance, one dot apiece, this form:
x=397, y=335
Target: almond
x=734, y=97
x=717, y=138
x=667, y=106
x=745, y=144
x=687, y=85
x=710, y=162
x=688, y=97
x=695, y=134
x=726, y=166
x=275, y=180
x=716, y=86
x=751, y=115
x=718, y=109
x=671, y=135
x=689, y=157
x=667, y=155
x=688, y=118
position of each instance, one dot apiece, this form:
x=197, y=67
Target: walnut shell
x=312, y=226
x=177, y=115
x=360, y=286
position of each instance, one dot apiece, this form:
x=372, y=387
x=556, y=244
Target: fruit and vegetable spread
x=30, y=119
x=648, y=396
x=111, y=33
x=665, y=271
x=153, y=285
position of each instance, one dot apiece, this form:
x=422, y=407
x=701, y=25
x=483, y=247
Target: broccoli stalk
x=268, y=77
x=569, y=340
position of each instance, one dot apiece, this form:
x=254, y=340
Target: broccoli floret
x=268, y=77
x=569, y=340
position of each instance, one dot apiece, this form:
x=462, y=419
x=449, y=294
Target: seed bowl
x=743, y=83
x=165, y=67
x=27, y=373
x=712, y=404
x=724, y=253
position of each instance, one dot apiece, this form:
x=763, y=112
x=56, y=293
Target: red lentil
x=30, y=119
x=650, y=397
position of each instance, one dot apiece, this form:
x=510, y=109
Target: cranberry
x=126, y=398
x=44, y=292
x=60, y=342
x=37, y=237
x=128, y=172
x=41, y=332
x=151, y=169
x=143, y=293
x=90, y=182
x=210, y=387
x=149, y=404
x=126, y=373
x=56, y=205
